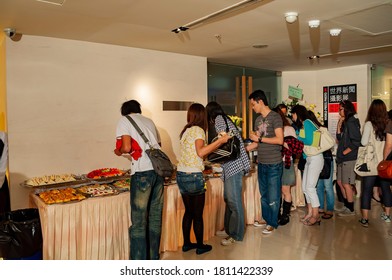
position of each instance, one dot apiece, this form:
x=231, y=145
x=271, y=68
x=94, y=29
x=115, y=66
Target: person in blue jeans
x=326, y=193
x=190, y=178
x=146, y=193
x=233, y=172
x=268, y=139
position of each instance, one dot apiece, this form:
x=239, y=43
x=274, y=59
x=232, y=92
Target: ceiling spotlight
x=335, y=32
x=291, y=17
x=179, y=29
x=314, y=23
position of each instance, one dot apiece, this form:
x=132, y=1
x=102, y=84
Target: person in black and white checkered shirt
x=232, y=174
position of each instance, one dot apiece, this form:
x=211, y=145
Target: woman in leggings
x=190, y=178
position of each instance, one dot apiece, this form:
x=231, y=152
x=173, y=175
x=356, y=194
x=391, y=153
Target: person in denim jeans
x=325, y=192
x=268, y=139
x=190, y=178
x=233, y=172
x=146, y=185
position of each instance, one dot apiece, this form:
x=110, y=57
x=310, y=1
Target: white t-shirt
x=125, y=127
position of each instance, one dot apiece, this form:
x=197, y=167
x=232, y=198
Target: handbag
x=384, y=168
x=160, y=161
x=326, y=142
x=368, y=157
x=226, y=152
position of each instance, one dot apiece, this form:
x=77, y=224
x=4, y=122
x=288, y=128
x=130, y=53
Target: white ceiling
x=366, y=25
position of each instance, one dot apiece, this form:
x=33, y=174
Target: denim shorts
x=191, y=183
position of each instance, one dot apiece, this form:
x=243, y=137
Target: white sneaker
x=268, y=230
x=221, y=233
x=385, y=217
x=260, y=224
x=346, y=212
x=227, y=241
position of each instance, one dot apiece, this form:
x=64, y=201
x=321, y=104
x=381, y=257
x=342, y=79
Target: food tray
x=78, y=180
x=123, y=184
x=107, y=180
x=61, y=196
x=97, y=190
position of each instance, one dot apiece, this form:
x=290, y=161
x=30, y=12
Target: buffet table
x=97, y=228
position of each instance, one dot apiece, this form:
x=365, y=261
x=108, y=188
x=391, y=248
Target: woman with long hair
x=348, y=134
x=375, y=123
x=190, y=178
x=313, y=166
x=233, y=171
x=324, y=186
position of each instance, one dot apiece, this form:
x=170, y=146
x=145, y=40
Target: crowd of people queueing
x=279, y=141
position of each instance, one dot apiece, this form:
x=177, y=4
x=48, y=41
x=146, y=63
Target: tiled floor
x=340, y=238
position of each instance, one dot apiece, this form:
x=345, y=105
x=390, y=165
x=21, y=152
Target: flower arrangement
x=236, y=120
x=290, y=103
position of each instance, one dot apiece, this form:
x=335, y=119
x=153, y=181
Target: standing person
x=5, y=205
x=283, y=108
x=233, y=172
x=292, y=147
x=388, y=148
x=268, y=139
x=146, y=185
x=313, y=166
x=348, y=134
x=324, y=186
x=190, y=178
x=375, y=123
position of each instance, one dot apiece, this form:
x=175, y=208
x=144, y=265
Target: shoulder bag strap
x=227, y=126
x=139, y=131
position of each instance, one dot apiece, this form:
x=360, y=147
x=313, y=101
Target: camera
x=10, y=32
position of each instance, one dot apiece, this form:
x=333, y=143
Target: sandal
x=327, y=215
x=312, y=221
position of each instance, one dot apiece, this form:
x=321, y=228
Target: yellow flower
x=236, y=120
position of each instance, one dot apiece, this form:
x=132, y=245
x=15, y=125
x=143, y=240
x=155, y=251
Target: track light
x=179, y=29
x=215, y=15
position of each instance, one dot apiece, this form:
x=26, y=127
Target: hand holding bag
x=160, y=161
x=226, y=152
x=326, y=142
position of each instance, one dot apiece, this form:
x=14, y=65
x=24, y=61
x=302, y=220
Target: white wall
x=64, y=101
x=312, y=83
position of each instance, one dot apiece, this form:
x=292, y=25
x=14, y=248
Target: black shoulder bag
x=160, y=161
x=226, y=152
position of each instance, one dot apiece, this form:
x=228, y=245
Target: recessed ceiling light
x=335, y=32
x=314, y=23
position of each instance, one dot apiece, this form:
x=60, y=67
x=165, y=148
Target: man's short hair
x=131, y=106
x=258, y=95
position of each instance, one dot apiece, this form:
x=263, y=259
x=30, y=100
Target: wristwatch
x=260, y=139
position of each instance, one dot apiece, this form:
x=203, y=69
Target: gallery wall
x=64, y=100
